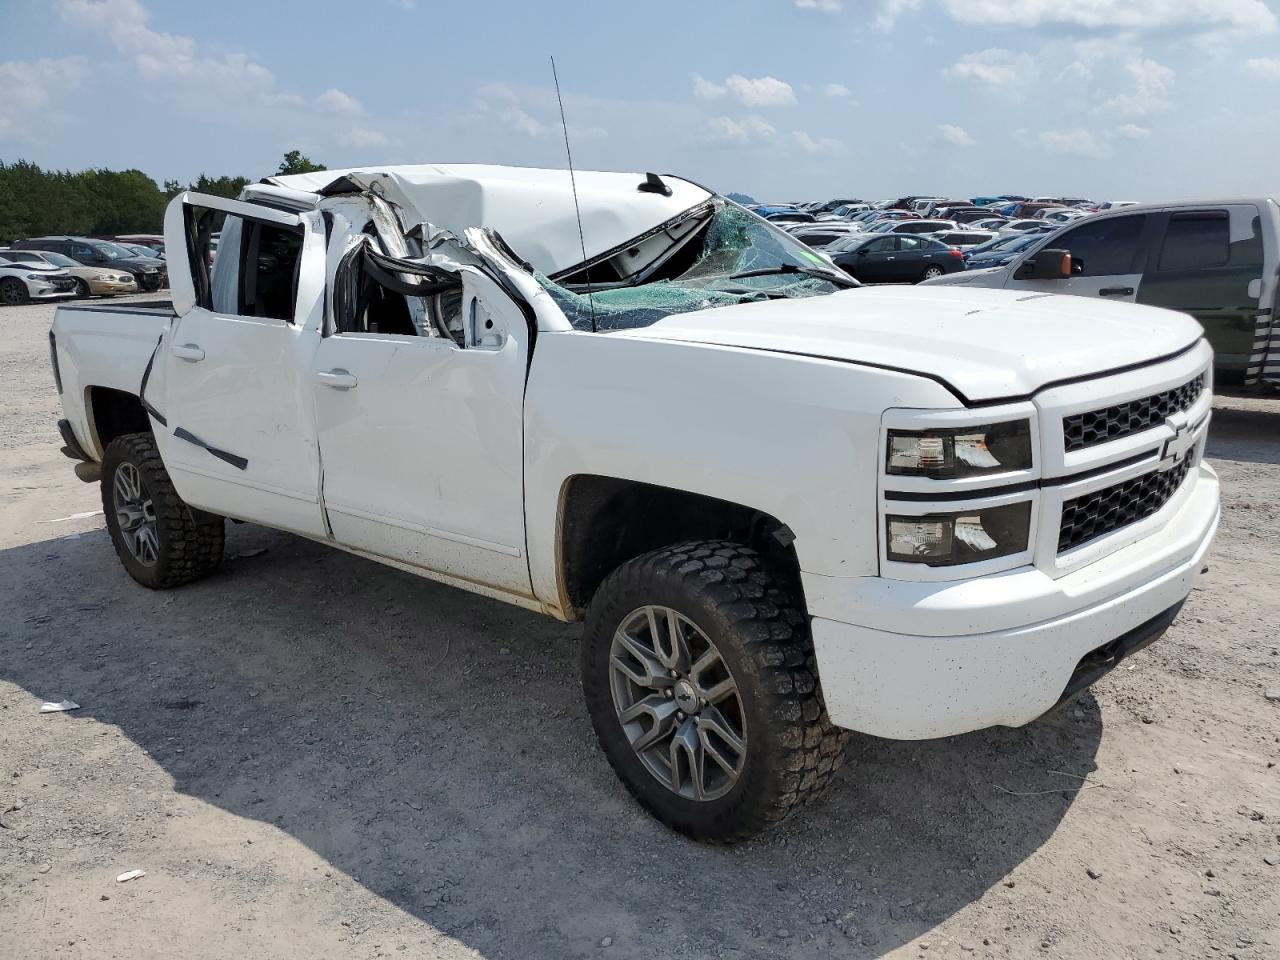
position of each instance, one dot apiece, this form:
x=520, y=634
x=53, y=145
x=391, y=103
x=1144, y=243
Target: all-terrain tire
x=189, y=541
x=753, y=618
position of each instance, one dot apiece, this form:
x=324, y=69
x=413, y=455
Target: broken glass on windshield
x=730, y=257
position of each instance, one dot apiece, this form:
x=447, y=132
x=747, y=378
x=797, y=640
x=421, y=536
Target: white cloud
x=1266, y=67
x=955, y=136
x=704, y=89
x=231, y=87
x=890, y=10
x=726, y=130
x=824, y=6
x=1122, y=14
x=363, y=137
x=751, y=92
x=1078, y=142
x=808, y=144
x=996, y=68
x=1131, y=131
x=1152, y=83
x=335, y=101
x=761, y=91
x=835, y=90
x=31, y=89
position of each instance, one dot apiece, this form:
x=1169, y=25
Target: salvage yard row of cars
x=1209, y=259
x=53, y=268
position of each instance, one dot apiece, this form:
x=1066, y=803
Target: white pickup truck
x=785, y=505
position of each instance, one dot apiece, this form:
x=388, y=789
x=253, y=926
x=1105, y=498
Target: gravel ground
x=314, y=756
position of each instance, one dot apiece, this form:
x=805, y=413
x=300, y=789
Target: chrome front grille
x=1110, y=423
x=1104, y=511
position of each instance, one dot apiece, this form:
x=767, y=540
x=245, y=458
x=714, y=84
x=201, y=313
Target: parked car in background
x=895, y=258
x=1027, y=226
x=89, y=281
x=149, y=272
x=1216, y=260
x=821, y=234
x=1065, y=215
x=999, y=251
x=964, y=239
x=22, y=282
x=141, y=250
x=914, y=226
x=791, y=216
x=989, y=223
x=152, y=241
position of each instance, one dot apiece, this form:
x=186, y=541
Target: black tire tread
x=194, y=539
x=766, y=617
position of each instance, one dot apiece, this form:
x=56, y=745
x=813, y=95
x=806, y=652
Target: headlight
x=106, y=276
x=948, y=539
x=962, y=452
x=37, y=276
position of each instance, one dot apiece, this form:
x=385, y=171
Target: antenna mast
x=573, y=182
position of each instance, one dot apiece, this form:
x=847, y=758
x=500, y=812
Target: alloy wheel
x=677, y=703
x=12, y=292
x=136, y=514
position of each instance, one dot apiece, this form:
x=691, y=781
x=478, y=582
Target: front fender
x=793, y=436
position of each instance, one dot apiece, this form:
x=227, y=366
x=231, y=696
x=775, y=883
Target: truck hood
x=983, y=344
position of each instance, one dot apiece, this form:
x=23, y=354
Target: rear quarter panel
x=102, y=347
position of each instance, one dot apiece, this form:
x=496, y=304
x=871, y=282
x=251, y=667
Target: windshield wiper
x=784, y=268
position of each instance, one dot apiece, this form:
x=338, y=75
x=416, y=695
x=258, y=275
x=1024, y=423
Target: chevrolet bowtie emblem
x=1179, y=445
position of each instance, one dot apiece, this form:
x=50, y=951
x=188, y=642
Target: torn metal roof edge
x=533, y=208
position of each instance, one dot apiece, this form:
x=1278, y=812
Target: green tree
x=224, y=186
x=295, y=162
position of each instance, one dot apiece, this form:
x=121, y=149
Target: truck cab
x=785, y=506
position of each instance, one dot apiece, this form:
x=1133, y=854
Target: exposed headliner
x=532, y=208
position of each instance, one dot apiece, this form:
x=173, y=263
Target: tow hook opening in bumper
x=1096, y=664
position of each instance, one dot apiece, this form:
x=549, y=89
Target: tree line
x=35, y=202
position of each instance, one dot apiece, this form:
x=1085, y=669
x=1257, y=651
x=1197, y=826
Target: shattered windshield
x=710, y=270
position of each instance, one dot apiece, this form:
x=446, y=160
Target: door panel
x=1111, y=252
x=1210, y=263
x=422, y=443
x=239, y=436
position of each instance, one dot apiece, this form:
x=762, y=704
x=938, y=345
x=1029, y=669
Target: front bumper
x=112, y=288
x=39, y=290
x=905, y=660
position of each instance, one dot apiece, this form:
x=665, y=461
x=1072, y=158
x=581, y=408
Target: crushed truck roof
x=533, y=209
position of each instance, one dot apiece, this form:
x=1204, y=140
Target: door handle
x=188, y=352
x=1116, y=292
x=337, y=378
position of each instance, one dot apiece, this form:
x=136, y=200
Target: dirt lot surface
x=313, y=756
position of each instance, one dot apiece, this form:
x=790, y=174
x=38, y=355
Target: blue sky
x=783, y=99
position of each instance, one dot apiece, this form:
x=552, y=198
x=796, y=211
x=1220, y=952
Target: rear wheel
x=699, y=677
x=161, y=541
x=13, y=292
x=932, y=272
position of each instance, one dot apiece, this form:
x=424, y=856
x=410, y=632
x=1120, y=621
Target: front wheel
x=932, y=272
x=13, y=292
x=82, y=289
x=161, y=541
x=699, y=677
